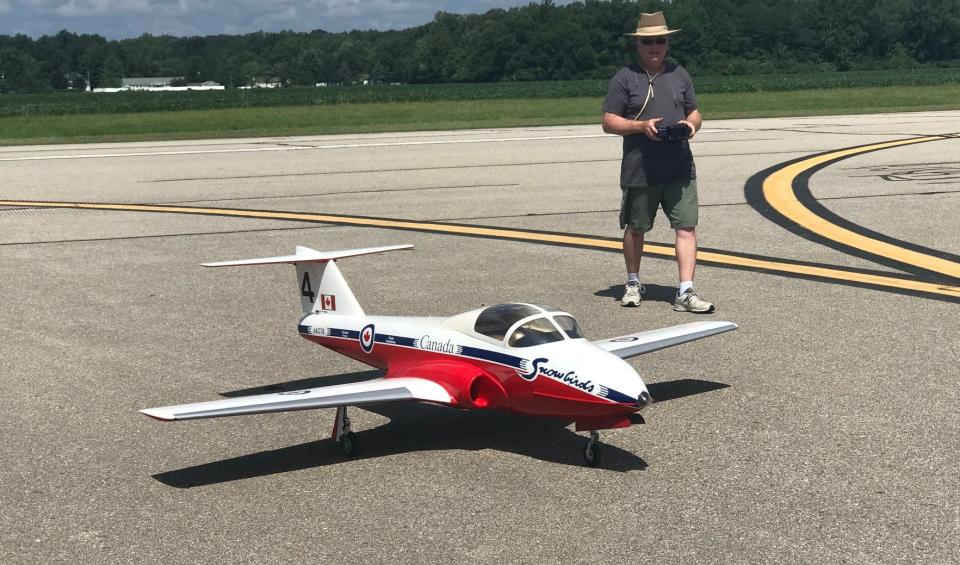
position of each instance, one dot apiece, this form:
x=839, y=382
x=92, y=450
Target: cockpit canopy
x=526, y=324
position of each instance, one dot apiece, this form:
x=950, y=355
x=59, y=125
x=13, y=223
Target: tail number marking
x=306, y=289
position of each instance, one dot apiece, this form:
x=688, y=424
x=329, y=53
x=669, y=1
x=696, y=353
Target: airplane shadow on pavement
x=415, y=427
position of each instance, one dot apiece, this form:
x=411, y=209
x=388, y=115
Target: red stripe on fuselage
x=542, y=396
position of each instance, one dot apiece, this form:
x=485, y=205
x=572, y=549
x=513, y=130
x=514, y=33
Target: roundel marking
x=367, y=335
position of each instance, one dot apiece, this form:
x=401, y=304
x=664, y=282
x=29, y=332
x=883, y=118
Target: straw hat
x=652, y=25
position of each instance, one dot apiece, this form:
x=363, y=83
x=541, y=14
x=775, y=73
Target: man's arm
x=619, y=125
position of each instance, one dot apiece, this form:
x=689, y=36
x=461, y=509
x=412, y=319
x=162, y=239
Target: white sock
x=684, y=287
x=633, y=278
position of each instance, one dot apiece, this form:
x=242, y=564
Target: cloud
x=117, y=19
x=89, y=8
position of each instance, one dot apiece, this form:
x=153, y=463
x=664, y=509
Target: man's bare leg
x=632, y=249
x=686, y=250
x=632, y=253
x=687, y=299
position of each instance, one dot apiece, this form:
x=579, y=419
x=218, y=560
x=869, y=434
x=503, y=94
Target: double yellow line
x=777, y=190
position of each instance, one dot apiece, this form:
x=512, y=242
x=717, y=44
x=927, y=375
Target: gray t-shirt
x=646, y=161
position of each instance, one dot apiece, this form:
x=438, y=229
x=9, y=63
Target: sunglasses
x=651, y=41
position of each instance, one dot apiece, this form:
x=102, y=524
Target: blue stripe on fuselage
x=474, y=352
x=396, y=340
x=494, y=356
x=618, y=396
x=466, y=351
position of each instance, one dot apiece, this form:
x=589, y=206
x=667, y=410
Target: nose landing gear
x=592, y=453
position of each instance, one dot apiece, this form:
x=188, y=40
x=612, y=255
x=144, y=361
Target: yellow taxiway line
x=714, y=257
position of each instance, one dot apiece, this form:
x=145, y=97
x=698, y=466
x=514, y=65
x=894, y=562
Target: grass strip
x=446, y=115
x=64, y=103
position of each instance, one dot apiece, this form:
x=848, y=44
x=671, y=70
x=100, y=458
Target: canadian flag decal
x=328, y=302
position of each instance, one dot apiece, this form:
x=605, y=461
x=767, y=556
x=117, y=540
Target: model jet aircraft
x=517, y=357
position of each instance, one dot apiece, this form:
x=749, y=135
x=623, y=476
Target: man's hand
x=693, y=120
x=650, y=129
x=689, y=124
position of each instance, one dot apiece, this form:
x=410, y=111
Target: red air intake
x=486, y=392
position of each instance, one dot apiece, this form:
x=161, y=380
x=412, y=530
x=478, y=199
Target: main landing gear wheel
x=348, y=444
x=592, y=453
x=346, y=439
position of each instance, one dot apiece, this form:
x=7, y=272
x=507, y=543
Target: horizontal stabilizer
x=375, y=391
x=652, y=340
x=307, y=255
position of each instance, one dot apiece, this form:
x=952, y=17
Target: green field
x=69, y=103
x=344, y=118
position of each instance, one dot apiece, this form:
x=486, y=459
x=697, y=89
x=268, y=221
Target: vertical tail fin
x=322, y=287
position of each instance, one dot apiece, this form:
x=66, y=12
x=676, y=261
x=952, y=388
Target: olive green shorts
x=638, y=207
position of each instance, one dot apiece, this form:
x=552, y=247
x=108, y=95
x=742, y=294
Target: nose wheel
x=346, y=439
x=592, y=453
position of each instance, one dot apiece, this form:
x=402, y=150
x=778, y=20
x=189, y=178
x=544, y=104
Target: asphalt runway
x=824, y=430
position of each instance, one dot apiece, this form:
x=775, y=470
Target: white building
x=159, y=84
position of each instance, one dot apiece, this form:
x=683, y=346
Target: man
x=656, y=172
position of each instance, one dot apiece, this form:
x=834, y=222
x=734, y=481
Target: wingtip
x=157, y=415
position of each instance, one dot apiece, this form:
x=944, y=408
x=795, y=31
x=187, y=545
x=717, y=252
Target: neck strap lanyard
x=650, y=94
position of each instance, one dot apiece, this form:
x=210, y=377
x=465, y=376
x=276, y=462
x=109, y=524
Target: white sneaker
x=690, y=302
x=631, y=295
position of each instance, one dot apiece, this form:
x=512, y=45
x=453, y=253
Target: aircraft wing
x=653, y=340
x=374, y=391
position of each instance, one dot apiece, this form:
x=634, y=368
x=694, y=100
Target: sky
x=120, y=19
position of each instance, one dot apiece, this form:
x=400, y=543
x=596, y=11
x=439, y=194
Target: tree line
x=540, y=41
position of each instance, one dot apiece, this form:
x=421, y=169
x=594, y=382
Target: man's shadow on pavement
x=651, y=293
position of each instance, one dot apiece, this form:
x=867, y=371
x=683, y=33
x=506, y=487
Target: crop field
x=71, y=103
